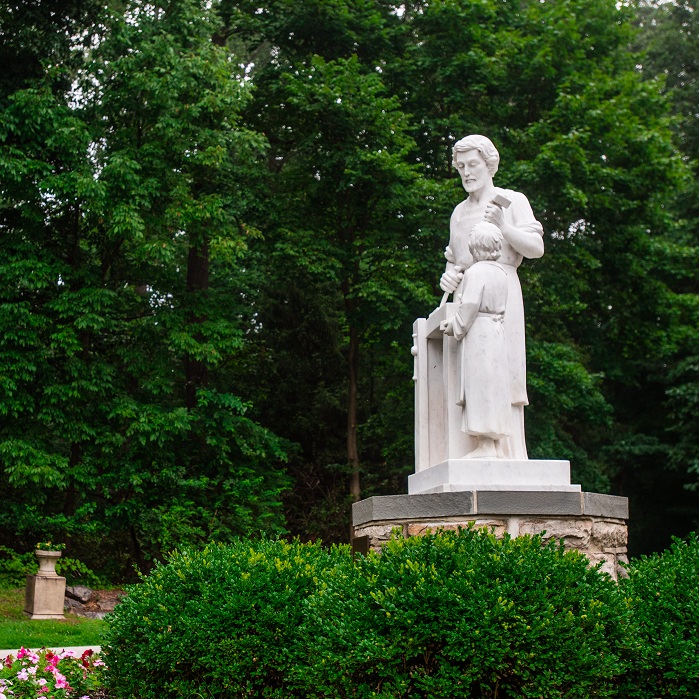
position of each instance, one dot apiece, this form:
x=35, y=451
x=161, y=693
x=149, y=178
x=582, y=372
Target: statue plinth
x=456, y=475
x=591, y=523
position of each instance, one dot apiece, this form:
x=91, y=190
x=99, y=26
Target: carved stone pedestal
x=592, y=523
x=45, y=591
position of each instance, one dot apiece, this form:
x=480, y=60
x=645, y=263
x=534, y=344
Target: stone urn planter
x=47, y=562
x=45, y=591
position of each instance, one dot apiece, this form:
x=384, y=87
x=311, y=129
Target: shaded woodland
x=219, y=220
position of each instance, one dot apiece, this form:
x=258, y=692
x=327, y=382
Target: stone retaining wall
x=588, y=522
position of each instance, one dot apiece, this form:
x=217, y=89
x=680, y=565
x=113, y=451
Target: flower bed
x=35, y=675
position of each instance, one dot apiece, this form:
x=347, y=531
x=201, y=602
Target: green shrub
x=77, y=573
x=458, y=614
x=222, y=621
x=664, y=593
x=466, y=615
x=14, y=567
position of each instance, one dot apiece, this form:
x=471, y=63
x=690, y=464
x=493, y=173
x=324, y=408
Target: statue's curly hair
x=485, y=241
x=483, y=145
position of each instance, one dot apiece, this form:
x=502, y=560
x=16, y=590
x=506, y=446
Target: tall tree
x=579, y=131
x=667, y=36
x=120, y=307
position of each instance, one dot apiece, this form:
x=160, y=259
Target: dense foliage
x=454, y=615
x=122, y=234
x=460, y=614
x=665, y=601
x=466, y=615
x=218, y=221
x=222, y=621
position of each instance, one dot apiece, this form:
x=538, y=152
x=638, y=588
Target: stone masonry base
x=592, y=523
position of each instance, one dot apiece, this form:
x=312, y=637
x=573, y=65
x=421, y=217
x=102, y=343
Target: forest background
x=219, y=220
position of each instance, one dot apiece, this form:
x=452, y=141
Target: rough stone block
x=575, y=533
x=621, y=571
x=608, y=561
x=380, y=532
x=610, y=536
x=422, y=528
x=498, y=526
x=79, y=592
x=44, y=597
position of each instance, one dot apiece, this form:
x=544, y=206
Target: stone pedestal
x=592, y=523
x=45, y=592
x=493, y=474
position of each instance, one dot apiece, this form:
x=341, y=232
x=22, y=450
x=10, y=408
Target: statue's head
x=484, y=146
x=485, y=241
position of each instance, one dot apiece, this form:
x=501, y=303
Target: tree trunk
x=352, y=451
x=196, y=373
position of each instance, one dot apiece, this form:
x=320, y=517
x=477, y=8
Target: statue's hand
x=450, y=280
x=494, y=215
x=447, y=327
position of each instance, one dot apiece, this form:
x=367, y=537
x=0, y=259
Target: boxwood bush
x=459, y=614
x=218, y=622
x=466, y=615
x=664, y=593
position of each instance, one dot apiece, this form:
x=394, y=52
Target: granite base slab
x=493, y=474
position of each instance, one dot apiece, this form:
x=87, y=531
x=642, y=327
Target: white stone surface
x=438, y=414
x=493, y=474
x=478, y=327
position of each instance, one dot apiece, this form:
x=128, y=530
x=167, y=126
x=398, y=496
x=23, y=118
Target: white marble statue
x=478, y=326
x=477, y=159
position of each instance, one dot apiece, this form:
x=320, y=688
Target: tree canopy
x=219, y=220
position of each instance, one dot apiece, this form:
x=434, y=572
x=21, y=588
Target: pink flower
x=9, y=660
x=61, y=681
x=45, y=688
x=33, y=657
x=41, y=681
x=22, y=652
x=22, y=675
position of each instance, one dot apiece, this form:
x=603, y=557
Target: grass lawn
x=16, y=630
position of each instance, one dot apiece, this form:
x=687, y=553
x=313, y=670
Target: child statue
x=479, y=328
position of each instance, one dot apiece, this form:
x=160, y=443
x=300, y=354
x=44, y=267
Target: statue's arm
x=452, y=273
x=463, y=320
x=524, y=233
x=470, y=303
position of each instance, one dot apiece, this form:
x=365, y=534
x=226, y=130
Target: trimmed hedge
x=664, y=593
x=219, y=622
x=466, y=615
x=453, y=615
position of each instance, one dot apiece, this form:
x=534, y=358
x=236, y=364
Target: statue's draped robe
x=479, y=328
x=520, y=215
